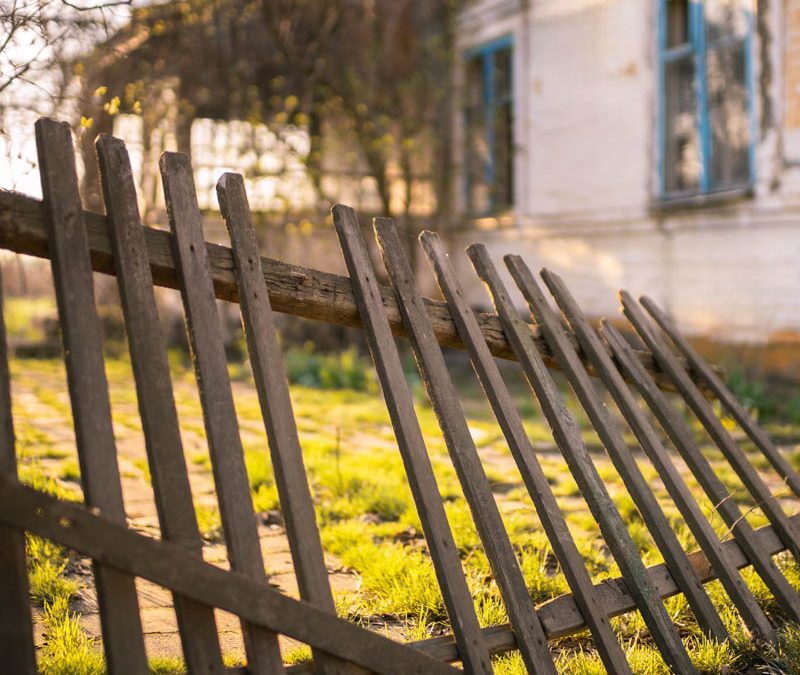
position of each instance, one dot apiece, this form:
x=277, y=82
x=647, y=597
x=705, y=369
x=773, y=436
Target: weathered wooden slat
x=611, y=436
x=642, y=427
x=272, y=386
x=681, y=436
x=715, y=383
x=444, y=399
x=88, y=389
x=747, y=473
x=567, y=436
x=168, y=564
x=173, y=497
x=508, y=417
x=17, y=651
x=294, y=290
x=216, y=397
x=400, y=402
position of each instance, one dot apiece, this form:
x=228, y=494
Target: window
x=488, y=120
x=706, y=96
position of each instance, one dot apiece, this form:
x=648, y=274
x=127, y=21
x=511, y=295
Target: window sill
x=699, y=201
x=495, y=221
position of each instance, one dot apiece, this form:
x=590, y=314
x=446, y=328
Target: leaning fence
x=79, y=243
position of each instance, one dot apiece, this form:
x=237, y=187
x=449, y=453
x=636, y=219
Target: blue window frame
x=489, y=121
x=706, y=124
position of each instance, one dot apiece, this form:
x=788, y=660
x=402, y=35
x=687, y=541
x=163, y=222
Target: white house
x=647, y=144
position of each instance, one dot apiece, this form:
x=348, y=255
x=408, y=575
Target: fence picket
x=508, y=417
x=681, y=435
x=399, y=400
x=699, y=525
x=611, y=436
x=715, y=384
x=567, y=437
x=170, y=480
x=269, y=373
x=733, y=453
x=88, y=388
x=216, y=397
x=442, y=393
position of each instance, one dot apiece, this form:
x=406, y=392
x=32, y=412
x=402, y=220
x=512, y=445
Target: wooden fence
x=79, y=243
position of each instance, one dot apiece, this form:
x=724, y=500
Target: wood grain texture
x=611, y=436
x=168, y=564
x=266, y=361
x=568, y=438
x=508, y=417
x=88, y=388
x=17, y=651
x=400, y=403
x=464, y=455
x=715, y=384
x=651, y=443
x=216, y=397
x=682, y=437
x=294, y=290
x=170, y=480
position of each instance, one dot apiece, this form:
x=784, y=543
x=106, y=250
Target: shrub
x=339, y=370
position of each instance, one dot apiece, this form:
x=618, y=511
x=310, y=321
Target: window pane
x=677, y=23
x=729, y=117
x=502, y=73
x=682, y=149
x=474, y=88
x=503, y=156
x=725, y=18
x=477, y=160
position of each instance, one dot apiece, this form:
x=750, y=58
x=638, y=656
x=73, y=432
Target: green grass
x=67, y=650
x=70, y=471
x=209, y=521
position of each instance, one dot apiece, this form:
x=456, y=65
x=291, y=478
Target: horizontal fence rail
x=294, y=290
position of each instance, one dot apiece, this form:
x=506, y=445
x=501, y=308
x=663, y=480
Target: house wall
x=586, y=171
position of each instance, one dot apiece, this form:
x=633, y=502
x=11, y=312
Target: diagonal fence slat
x=748, y=474
x=567, y=436
x=533, y=476
x=170, y=480
x=216, y=397
x=442, y=393
x=444, y=554
x=272, y=386
x=698, y=524
x=715, y=384
x=17, y=651
x=623, y=460
x=88, y=388
x=681, y=436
